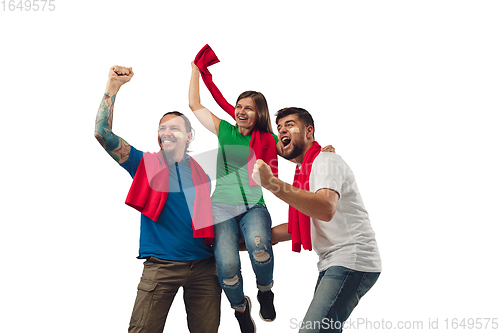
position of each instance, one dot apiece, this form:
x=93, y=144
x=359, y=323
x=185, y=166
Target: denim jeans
x=254, y=225
x=337, y=293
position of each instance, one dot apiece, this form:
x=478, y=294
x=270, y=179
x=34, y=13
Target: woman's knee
x=261, y=255
x=231, y=281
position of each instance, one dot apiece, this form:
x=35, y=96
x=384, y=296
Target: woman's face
x=246, y=113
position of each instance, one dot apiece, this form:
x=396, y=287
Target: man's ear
x=190, y=137
x=310, y=132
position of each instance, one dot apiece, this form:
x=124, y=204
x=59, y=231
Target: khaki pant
x=158, y=286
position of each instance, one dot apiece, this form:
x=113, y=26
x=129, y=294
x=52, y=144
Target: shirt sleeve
x=326, y=173
x=223, y=127
x=132, y=163
x=275, y=138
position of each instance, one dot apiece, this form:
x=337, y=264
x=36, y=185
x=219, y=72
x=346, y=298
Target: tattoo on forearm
x=118, y=148
x=121, y=153
x=101, y=140
x=110, y=107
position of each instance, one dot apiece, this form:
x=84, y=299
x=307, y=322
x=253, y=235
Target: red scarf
x=149, y=192
x=299, y=224
x=261, y=143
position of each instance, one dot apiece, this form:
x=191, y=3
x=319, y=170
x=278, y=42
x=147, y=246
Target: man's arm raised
x=320, y=205
x=115, y=146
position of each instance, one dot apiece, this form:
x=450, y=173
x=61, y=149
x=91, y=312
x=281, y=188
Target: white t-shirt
x=348, y=239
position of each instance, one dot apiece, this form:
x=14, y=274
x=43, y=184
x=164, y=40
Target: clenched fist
x=120, y=74
x=262, y=174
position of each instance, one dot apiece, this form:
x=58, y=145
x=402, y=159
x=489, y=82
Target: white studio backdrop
x=406, y=91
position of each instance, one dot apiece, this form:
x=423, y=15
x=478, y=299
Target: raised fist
x=120, y=75
x=262, y=173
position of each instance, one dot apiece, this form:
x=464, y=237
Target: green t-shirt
x=233, y=185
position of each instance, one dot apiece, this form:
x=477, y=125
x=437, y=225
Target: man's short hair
x=187, y=123
x=304, y=116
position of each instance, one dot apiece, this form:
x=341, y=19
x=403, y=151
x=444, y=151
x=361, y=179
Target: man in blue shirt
x=174, y=257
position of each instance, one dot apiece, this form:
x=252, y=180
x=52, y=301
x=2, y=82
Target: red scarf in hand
x=149, y=192
x=261, y=143
x=299, y=224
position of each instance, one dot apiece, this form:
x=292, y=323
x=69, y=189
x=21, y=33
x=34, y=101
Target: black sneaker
x=267, y=312
x=245, y=320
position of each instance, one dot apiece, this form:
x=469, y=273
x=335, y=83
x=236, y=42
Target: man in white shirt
x=327, y=214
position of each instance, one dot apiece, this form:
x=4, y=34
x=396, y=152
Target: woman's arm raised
x=206, y=118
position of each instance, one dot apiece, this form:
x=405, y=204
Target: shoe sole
x=264, y=319
x=250, y=310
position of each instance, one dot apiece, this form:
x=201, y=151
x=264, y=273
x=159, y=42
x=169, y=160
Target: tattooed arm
x=116, y=147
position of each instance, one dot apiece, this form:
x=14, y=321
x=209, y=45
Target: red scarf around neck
x=149, y=192
x=299, y=224
x=261, y=143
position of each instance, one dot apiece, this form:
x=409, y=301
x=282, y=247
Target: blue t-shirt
x=171, y=237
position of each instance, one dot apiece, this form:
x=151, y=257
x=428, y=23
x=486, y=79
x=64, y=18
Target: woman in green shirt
x=238, y=207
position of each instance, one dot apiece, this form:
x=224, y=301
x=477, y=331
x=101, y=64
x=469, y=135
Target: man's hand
x=328, y=149
x=262, y=174
x=118, y=76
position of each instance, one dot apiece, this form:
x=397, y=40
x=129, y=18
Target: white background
x=406, y=91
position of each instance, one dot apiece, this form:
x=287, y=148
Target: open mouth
x=286, y=142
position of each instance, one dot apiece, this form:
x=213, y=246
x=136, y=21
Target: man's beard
x=296, y=151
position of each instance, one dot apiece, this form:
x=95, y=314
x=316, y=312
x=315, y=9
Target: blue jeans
x=254, y=225
x=337, y=293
